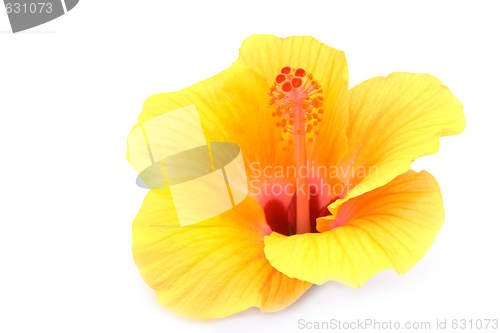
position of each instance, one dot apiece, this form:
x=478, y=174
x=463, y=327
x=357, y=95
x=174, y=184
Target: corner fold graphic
x=25, y=15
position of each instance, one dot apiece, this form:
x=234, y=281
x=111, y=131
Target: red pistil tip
x=287, y=87
x=280, y=78
x=301, y=72
x=286, y=70
x=296, y=82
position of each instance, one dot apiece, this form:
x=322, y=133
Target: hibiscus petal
x=394, y=120
x=210, y=269
x=233, y=106
x=267, y=54
x=392, y=226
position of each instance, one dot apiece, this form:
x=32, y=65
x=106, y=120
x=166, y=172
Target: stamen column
x=303, y=224
x=296, y=98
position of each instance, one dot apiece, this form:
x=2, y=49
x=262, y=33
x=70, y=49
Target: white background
x=71, y=89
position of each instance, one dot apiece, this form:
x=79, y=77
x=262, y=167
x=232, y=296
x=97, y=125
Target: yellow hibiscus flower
x=286, y=103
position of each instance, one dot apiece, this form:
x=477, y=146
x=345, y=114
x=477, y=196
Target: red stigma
x=296, y=82
x=286, y=70
x=280, y=78
x=301, y=72
x=287, y=87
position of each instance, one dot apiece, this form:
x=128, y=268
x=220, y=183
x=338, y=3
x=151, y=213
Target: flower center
x=298, y=101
